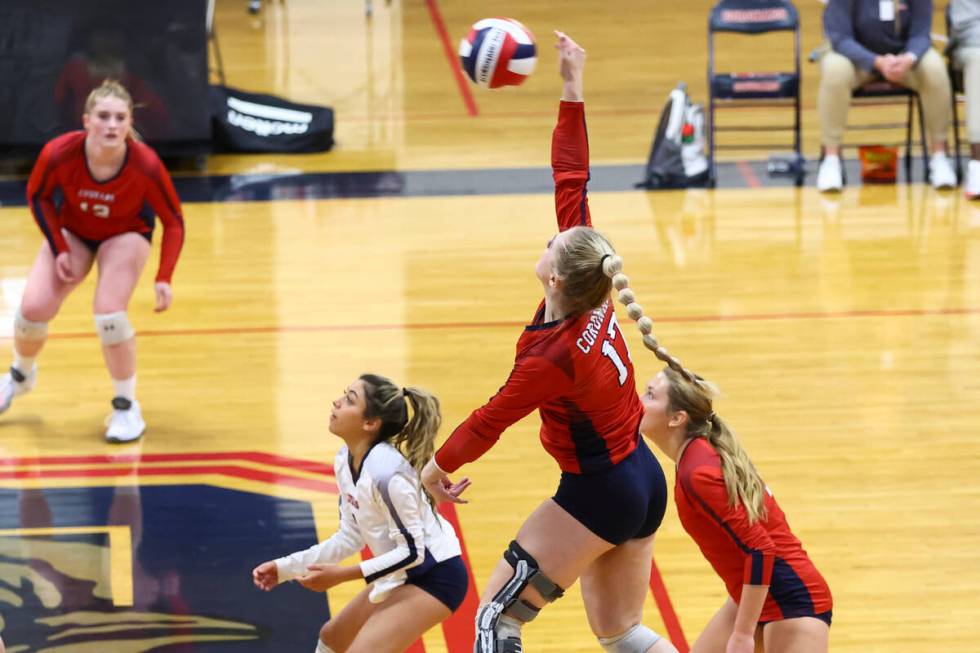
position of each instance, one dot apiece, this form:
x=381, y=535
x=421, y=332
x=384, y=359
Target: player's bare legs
x=340, y=631
x=714, y=638
x=800, y=635
x=121, y=260
x=614, y=588
x=561, y=558
x=399, y=621
x=44, y=293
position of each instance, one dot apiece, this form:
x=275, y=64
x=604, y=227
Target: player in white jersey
x=416, y=578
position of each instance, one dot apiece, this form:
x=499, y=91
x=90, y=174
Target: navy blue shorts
x=92, y=244
x=447, y=581
x=825, y=617
x=623, y=503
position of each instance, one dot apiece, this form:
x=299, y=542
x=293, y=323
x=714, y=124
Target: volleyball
x=498, y=52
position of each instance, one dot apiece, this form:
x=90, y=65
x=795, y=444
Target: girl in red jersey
x=573, y=366
x=95, y=194
x=775, y=592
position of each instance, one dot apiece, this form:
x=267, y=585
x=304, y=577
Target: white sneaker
x=15, y=383
x=972, y=189
x=829, y=176
x=126, y=422
x=941, y=172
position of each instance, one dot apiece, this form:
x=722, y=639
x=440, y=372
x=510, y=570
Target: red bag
x=879, y=164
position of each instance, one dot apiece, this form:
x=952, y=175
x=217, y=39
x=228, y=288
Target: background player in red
x=775, y=591
x=95, y=195
x=572, y=365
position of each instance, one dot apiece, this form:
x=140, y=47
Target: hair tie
x=711, y=417
x=602, y=261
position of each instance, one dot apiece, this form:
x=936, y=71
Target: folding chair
x=881, y=88
x=774, y=89
x=869, y=94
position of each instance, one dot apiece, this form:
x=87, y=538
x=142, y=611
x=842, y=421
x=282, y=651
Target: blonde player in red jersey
x=776, y=594
x=95, y=195
x=572, y=365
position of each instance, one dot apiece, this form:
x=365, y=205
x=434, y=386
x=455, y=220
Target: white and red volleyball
x=498, y=52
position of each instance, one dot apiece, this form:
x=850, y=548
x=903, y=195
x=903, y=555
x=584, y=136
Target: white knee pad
x=322, y=648
x=635, y=640
x=27, y=330
x=113, y=328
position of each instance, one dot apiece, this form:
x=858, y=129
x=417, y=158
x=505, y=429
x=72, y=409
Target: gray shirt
x=856, y=30
x=965, y=22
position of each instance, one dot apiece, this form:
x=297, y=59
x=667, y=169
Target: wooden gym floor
x=843, y=332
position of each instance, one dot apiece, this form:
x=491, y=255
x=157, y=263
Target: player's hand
x=440, y=487
x=62, y=268
x=320, y=578
x=740, y=643
x=571, y=58
x=266, y=575
x=165, y=296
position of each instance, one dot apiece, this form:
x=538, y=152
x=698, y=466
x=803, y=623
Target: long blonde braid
x=694, y=395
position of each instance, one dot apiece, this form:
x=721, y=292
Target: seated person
x=886, y=39
x=965, y=33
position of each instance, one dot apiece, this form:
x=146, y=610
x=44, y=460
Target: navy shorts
x=446, y=580
x=825, y=617
x=92, y=244
x=622, y=503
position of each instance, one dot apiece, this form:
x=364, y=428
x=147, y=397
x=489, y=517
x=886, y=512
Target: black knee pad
x=507, y=601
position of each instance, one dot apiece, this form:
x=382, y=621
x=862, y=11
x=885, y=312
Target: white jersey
x=383, y=507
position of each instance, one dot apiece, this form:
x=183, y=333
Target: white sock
x=322, y=648
x=24, y=364
x=125, y=388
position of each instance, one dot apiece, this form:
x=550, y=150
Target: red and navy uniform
x=62, y=194
x=576, y=371
x=761, y=553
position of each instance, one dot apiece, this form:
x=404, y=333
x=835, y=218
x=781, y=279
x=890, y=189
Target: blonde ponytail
x=417, y=441
x=742, y=482
x=581, y=259
x=414, y=437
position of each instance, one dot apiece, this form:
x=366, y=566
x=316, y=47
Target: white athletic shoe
x=126, y=422
x=15, y=383
x=972, y=189
x=830, y=178
x=941, y=172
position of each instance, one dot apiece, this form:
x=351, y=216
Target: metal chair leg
x=922, y=139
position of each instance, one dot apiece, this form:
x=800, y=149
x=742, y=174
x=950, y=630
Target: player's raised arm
x=570, y=140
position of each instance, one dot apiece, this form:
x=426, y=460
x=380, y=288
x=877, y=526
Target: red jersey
x=62, y=193
x=576, y=371
x=762, y=553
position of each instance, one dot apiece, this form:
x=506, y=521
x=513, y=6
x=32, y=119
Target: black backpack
x=677, y=158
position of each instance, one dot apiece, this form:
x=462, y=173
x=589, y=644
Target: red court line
x=225, y=470
x=253, y=456
x=747, y=174
x=673, y=624
x=454, y=65
x=458, y=628
x=433, y=326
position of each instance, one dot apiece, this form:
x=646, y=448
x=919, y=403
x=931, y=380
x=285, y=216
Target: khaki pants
x=839, y=76
x=969, y=60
